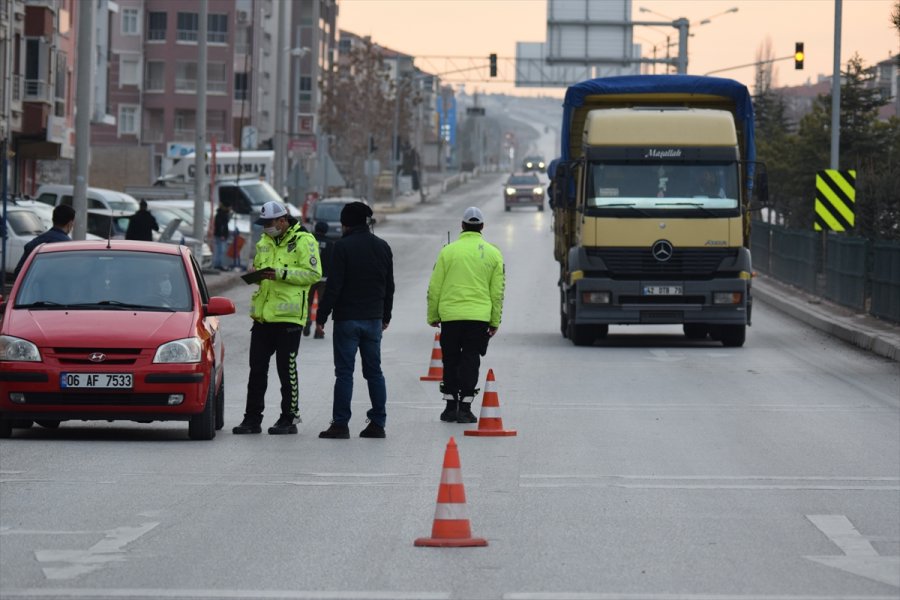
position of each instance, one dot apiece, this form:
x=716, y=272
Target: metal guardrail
x=855, y=272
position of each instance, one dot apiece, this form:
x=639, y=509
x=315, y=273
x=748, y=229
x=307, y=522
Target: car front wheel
x=5, y=426
x=202, y=426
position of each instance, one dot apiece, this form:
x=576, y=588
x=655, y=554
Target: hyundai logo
x=662, y=250
x=97, y=357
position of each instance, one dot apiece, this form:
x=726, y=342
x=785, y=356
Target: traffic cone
x=451, y=524
x=436, y=368
x=490, y=422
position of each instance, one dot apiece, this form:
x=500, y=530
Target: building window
x=156, y=26
x=217, y=29
x=61, y=84
x=215, y=78
x=129, y=71
x=188, y=27
x=305, y=89
x=130, y=21
x=185, y=125
x=241, y=86
x=243, y=39
x=215, y=122
x=186, y=77
x=128, y=121
x=156, y=80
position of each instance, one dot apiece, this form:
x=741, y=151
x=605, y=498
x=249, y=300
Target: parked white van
x=54, y=194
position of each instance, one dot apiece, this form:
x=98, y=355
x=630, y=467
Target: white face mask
x=272, y=231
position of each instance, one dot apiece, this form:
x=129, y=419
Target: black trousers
x=462, y=343
x=282, y=340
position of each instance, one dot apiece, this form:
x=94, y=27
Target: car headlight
x=510, y=191
x=541, y=165
x=187, y=350
x=18, y=350
x=538, y=190
x=528, y=165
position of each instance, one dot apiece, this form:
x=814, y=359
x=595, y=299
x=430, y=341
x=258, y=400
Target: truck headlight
x=187, y=350
x=595, y=297
x=727, y=297
x=16, y=349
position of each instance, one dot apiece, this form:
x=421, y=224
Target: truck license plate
x=96, y=380
x=663, y=290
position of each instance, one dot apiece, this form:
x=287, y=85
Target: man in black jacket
x=360, y=291
x=141, y=225
x=63, y=223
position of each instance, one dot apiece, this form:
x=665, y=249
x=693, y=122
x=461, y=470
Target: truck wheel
x=48, y=423
x=733, y=336
x=695, y=331
x=581, y=335
x=507, y=209
x=601, y=331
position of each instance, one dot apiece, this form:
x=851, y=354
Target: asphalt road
x=644, y=467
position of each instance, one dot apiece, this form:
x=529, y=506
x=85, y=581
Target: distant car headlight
x=510, y=191
x=541, y=165
x=187, y=350
x=529, y=164
x=16, y=349
x=538, y=190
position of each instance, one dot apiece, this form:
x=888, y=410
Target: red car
x=119, y=330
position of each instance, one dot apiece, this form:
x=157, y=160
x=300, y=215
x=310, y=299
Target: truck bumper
x=714, y=302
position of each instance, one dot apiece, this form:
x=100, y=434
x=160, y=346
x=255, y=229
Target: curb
x=861, y=330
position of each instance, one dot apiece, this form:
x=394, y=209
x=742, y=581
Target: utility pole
x=836, y=90
x=200, y=186
x=280, y=146
x=83, y=116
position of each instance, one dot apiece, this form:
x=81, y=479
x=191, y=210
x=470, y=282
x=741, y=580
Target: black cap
x=355, y=214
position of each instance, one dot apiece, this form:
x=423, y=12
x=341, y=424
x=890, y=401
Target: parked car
x=114, y=224
x=23, y=224
x=54, y=194
x=534, y=163
x=328, y=210
x=118, y=330
x=523, y=189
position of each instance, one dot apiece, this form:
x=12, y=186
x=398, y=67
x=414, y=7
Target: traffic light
x=798, y=55
x=493, y=60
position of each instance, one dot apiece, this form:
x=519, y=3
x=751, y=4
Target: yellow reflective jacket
x=295, y=258
x=467, y=282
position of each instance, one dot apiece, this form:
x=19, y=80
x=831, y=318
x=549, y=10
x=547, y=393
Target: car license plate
x=96, y=380
x=663, y=290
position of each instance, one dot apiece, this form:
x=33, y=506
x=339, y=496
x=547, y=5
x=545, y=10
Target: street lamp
x=644, y=9
x=705, y=21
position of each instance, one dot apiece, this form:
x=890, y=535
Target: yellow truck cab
x=651, y=203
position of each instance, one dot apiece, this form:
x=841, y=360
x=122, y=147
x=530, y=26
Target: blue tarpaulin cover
x=661, y=84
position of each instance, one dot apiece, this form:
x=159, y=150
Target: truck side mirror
x=760, y=198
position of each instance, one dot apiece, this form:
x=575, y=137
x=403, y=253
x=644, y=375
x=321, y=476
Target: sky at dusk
x=476, y=28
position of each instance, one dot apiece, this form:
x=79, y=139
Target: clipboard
x=256, y=276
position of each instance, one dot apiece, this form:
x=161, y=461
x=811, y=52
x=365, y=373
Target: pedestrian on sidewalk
x=287, y=260
x=465, y=300
x=142, y=224
x=220, y=236
x=360, y=292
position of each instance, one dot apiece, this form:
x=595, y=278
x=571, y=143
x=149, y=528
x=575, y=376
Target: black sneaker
x=336, y=432
x=247, y=426
x=372, y=430
x=284, y=425
x=465, y=413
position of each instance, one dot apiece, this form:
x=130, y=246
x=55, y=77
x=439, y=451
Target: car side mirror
x=218, y=306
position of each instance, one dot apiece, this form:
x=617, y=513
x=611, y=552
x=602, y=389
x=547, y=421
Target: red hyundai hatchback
x=119, y=330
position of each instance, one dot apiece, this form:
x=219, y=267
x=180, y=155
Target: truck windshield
x=260, y=192
x=687, y=186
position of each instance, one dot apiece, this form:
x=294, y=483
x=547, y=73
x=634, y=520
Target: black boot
x=465, y=407
x=248, y=425
x=286, y=424
x=449, y=414
x=336, y=432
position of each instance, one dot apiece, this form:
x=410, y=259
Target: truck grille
x=685, y=263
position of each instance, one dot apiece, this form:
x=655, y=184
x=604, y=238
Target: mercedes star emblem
x=662, y=250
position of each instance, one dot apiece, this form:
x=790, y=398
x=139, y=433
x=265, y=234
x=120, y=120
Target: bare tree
x=765, y=68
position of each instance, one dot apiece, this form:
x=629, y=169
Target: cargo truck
x=652, y=200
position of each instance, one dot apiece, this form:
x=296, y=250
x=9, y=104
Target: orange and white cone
x=314, y=311
x=436, y=367
x=451, y=527
x=490, y=422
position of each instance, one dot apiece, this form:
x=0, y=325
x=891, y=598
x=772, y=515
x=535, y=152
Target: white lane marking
x=860, y=557
x=682, y=596
x=707, y=406
x=240, y=594
x=665, y=356
x=693, y=482
x=81, y=562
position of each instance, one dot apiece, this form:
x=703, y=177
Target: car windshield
x=329, y=211
x=665, y=185
x=260, y=193
x=24, y=222
x=104, y=280
x=523, y=180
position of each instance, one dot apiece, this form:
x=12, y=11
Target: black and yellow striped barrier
x=835, y=200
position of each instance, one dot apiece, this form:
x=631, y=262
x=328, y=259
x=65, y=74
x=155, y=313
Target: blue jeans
x=366, y=337
x=219, y=252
